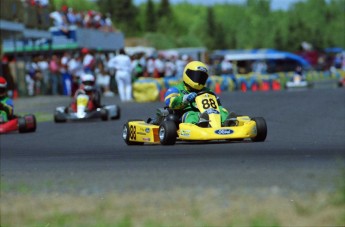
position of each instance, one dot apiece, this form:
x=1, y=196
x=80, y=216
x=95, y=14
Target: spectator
x=43, y=66
x=122, y=64
x=103, y=80
x=43, y=3
x=66, y=76
x=170, y=67
x=138, y=68
x=150, y=66
x=181, y=62
x=75, y=69
x=71, y=17
x=106, y=23
x=60, y=21
x=88, y=60
x=159, y=67
x=226, y=67
x=260, y=67
x=54, y=68
x=30, y=77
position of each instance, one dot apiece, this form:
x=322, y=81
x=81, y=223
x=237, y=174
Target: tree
x=164, y=9
x=150, y=22
x=106, y=6
x=214, y=31
x=123, y=14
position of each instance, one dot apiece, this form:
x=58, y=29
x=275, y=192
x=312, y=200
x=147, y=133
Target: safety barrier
x=153, y=89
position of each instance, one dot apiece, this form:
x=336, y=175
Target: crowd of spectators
x=67, y=17
x=60, y=74
x=39, y=14
x=37, y=3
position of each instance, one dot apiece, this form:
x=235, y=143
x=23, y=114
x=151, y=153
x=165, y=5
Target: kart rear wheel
x=167, y=133
x=27, y=123
x=59, y=117
x=261, y=129
x=126, y=134
x=118, y=114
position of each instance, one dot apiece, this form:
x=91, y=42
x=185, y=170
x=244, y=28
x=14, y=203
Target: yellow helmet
x=195, y=75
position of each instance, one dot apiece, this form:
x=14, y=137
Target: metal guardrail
x=30, y=16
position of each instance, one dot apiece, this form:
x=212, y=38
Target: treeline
x=227, y=26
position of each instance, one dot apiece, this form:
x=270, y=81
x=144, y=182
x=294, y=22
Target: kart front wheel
x=127, y=134
x=104, y=114
x=118, y=114
x=167, y=133
x=261, y=129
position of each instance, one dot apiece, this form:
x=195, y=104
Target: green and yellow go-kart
x=169, y=129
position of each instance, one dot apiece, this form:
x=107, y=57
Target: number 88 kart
x=168, y=129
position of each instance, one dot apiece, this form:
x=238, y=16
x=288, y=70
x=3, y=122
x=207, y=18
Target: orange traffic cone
x=217, y=89
x=265, y=86
x=276, y=85
x=243, y=87
x=255, y=87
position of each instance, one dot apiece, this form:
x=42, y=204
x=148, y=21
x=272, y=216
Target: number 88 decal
x=207, y=103
x=132, y=132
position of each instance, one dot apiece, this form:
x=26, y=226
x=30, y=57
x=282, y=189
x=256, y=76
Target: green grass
x=40, y=116
x=180, y=207
x=22, y=205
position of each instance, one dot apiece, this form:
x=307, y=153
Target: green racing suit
x=189, y=114
x=6, y=109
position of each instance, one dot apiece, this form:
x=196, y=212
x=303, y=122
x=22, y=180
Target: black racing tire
x=167, y=133
x=104, y=114
x=126, y=135
x=21, y=125
x=261, y=129
x=27, y=123
x=118, y=114
x=59, y=117
x=31, y=123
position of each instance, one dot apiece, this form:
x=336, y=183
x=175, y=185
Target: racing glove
x=189, y=98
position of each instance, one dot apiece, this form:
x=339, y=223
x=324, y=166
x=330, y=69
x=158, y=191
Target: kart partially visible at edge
x=169, y=129
x=22, y=124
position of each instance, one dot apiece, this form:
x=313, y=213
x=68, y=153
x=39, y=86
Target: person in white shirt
x=43, y=67
x=170, y=67
x=150, y=66
x=75, y=68
x=123, y=76
x=181, y=62
x=88, y=60
x=160, y=66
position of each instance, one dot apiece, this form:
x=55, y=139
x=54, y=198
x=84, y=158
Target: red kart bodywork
x=22, y=124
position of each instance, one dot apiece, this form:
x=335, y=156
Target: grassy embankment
x=179, y=207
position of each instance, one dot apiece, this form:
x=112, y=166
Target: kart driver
x=6, y=103
x=87, y=87
x=181, y=97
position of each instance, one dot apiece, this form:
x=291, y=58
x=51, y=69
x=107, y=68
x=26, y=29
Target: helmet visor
x=198, y=77
x=2, y=90
x=88, y=83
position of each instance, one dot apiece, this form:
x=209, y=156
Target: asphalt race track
x=304, y=150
